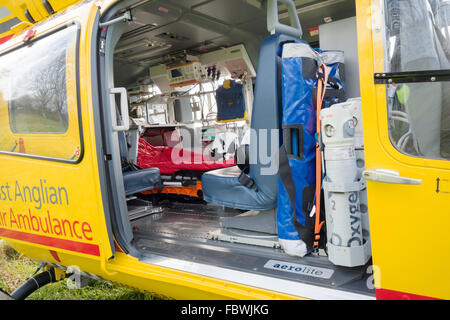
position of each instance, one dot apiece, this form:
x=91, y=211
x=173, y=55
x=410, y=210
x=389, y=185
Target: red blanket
x=170, y=160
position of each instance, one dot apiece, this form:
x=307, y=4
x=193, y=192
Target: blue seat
x=224, y=186
x=141, y=180
x=135, y=179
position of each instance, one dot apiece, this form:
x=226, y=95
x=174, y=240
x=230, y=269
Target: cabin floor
x=190, y=232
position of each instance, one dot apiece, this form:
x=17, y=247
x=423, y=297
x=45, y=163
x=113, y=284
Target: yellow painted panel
x=36, y=8
x=18, y=8
x=50, y=205
x=409, y=223
x=59, y=5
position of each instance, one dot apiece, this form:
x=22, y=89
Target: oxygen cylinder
x=338, y=135
x=355, y=107
x=345, y=198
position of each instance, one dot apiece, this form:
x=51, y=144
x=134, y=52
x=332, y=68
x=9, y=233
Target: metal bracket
x=412, y=77
x=126, y=17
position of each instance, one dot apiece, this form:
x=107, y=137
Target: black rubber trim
x=29, y=16
x=48, y=7
x=412, y=77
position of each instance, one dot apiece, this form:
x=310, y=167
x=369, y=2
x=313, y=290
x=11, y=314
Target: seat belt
x=242, y=161
x=246, y=181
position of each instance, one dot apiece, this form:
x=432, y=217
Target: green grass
x=14, y=270
x=36, y=123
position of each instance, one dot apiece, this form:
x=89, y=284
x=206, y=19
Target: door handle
x=389, y=176
x=123, y=108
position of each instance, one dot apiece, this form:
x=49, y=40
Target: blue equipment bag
x=335, y=92
x=297, y=167
x=296, y=188
x=231, y=102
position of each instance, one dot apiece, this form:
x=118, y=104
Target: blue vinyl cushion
x=224, y=188
x=141, y=180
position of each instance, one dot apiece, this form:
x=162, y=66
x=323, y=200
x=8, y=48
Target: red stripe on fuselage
x=6, y=39
x=384, y=294
x=86, y=248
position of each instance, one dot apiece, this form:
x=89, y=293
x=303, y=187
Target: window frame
x=78, y=99
x=383, y=77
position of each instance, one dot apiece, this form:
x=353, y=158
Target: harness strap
x=321, y=91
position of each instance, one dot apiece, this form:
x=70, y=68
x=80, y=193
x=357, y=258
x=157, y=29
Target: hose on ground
x=33, y=284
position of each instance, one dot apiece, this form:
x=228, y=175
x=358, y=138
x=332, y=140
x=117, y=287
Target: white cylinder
x=337, y=126
x=360, y=162
x=355, y=107
x=344, y=227
x=340, y=164
x=342, y=188
x=338, y=137
x=364, y=209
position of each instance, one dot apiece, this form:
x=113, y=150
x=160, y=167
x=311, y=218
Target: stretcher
x=181, y=170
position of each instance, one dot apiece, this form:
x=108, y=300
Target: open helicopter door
x=407, y=145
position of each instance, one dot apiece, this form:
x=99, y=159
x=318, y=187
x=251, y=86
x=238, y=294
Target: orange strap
x=321, y=89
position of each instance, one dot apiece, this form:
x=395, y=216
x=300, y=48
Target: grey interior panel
x=231, y=12
x=342, y=35
x=201, y=26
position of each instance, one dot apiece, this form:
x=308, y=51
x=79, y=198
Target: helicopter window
x=38, y=96
x=418, y=42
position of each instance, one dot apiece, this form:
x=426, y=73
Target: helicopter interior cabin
x=224, y=139
x=185, y=83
